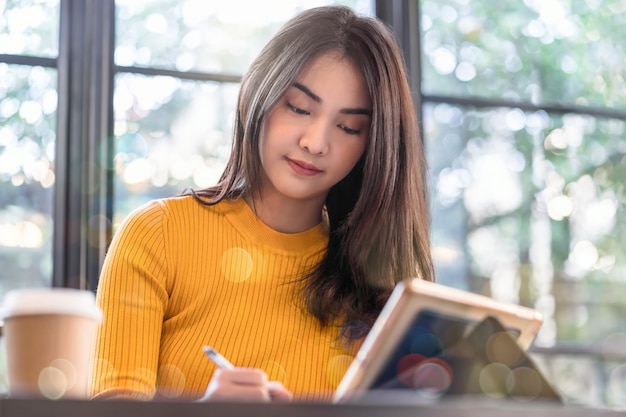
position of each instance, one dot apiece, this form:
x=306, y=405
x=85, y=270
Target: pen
x=217, y=358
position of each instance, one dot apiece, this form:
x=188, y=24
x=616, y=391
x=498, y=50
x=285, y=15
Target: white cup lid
x=30, y=301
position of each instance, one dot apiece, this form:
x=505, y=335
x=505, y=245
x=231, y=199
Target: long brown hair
x=378, y=214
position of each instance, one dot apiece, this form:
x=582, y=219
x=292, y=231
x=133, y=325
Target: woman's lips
x=303, y=168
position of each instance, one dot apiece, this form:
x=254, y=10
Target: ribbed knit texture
x=180, y=275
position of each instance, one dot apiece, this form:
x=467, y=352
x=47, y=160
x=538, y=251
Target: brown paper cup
x=48, y=336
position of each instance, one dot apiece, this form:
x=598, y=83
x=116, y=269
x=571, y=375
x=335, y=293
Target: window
x=28, y=105
x=524, y=111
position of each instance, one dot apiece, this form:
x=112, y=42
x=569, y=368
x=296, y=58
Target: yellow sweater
x=180, y=275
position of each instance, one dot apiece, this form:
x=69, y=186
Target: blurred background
x=107, y=104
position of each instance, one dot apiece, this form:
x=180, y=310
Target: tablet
x=428, y=324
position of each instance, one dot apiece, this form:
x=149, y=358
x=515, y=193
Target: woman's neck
x=291, y=216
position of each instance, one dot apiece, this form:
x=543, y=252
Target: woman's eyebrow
x=318, y=99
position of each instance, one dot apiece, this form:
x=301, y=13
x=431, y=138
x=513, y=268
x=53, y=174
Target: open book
x=437, y=340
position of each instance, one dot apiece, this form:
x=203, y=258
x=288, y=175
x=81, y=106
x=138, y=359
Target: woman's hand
x=244, y=384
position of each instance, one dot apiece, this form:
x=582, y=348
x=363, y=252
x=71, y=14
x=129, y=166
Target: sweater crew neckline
x=241, y=215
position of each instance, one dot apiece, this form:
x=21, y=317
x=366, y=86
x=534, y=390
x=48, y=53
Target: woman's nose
x=315, y=138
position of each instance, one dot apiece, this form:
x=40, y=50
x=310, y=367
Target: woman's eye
x=348, y=130
x=297, y=109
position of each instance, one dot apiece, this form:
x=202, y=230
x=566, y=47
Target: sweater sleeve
x=133, y=297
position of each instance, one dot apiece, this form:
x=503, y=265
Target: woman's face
x=316, y=133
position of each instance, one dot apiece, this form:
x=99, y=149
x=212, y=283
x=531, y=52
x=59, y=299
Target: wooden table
x=390, y=407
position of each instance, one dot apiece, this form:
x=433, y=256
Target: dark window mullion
x=28, y=60
x=479, y=102
x=84, y=120
x=403, y=17
x=100, y=138
x=61, y=236
x=183, y=75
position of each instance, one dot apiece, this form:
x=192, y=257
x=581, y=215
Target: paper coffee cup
x=49, y=335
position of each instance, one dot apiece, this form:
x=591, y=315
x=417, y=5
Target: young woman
x=284, y=264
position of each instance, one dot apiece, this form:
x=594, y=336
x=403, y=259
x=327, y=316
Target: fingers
x=241, y=376
x=244, y=384
x=278, y=392
x=243, y=393
x=239, y=383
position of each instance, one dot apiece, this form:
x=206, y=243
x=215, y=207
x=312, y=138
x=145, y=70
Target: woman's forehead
x=332, y=74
